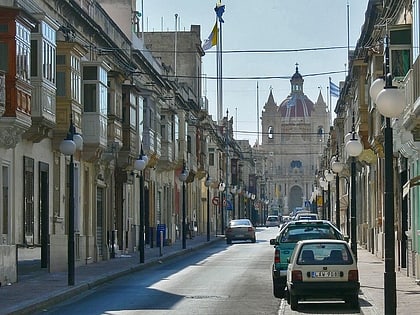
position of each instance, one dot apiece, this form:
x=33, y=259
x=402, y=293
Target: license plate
x=324, y=274
x=239, y=235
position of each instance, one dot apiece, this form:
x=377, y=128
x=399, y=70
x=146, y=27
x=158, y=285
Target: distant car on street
x=272, y=220
x=322, y=269
x=241, y=230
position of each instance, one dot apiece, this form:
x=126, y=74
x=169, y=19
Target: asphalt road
x=220, y=279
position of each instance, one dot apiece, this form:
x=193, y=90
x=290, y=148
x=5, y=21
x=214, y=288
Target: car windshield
x=324, y=254
x=272, y=219
x=294, y=233
x=240, y=222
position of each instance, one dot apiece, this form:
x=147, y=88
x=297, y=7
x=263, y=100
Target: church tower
x=294, y=134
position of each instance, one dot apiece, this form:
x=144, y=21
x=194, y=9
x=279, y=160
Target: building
x=294, y=133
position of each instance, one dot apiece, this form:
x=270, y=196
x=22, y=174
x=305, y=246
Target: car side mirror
x=273, y=241
x=346, y=238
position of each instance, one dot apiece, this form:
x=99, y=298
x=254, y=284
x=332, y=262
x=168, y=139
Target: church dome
x=296, y=104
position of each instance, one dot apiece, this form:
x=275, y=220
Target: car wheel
x=253, y=240
x=278, y=290
x=294, y=302
x=228, y=241
x=353, y=301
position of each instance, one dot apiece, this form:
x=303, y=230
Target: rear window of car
x=272, y=219
x=240, y=222
x=295, y=233
x=324, y=254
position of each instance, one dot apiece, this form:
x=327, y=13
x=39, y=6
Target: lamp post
x=390, y=103
x=353, y=147
x=233, y=191
x=221, y=189
x=253, y=208
x=208, y=183
x=329, y=176
x=183, y=178
x=68, y=146
x=337, y=168
x=324, y=186
x=139, y=165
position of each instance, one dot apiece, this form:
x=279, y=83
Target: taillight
x=353, y=275
x=250, y=229
x=296, y=275
x=229, y=230
x=276, y=256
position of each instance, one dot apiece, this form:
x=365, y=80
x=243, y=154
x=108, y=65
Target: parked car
x=290, y=233
x=240, y=229
x=272, y=220
x=322, y=269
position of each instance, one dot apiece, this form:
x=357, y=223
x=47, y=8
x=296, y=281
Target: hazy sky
x=306, y=25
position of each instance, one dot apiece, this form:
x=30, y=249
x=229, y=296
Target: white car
x=272, y=220
x=322, y=269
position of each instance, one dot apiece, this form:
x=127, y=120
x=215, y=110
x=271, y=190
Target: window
x=163, y=132
x=76, y=79
x=95, y=91
x=28, y=195
x=61, y=83
x=211, y=159
x=34, y=58
x=89, y=99
x=22, y=52
x=4, y=64
x=270, y=132
x=90, y=73
x=189, y=144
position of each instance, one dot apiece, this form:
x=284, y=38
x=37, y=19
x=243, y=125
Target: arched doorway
x=295, y=197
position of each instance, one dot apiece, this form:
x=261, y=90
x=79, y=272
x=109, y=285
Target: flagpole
x=220, y=70
x=176, y=40
x=219, y=102
x=258, y=123
x=348, y=31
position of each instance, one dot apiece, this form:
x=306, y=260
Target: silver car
x=272, y=220
x=240, y=229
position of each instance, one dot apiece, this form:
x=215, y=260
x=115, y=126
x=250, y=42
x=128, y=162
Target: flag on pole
x=334, y=89
x=212, y=39
x=220, y=9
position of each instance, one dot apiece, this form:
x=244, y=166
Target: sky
x=315, y=34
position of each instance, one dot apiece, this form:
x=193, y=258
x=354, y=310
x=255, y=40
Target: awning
x=411, y=183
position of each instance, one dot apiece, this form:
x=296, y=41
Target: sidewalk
x=38, y=288
x=371, y=274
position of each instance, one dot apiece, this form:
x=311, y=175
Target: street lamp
x=183, y=178
x=354, y=148
x=324, y=186
x=208, y=183
x=221, y=189
x=233, y=191
x=68, y=146
x=390, y=103
x=337, y=168
x=329, y=176
x=139, y=165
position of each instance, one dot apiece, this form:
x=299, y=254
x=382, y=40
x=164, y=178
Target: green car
x=285, y=243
